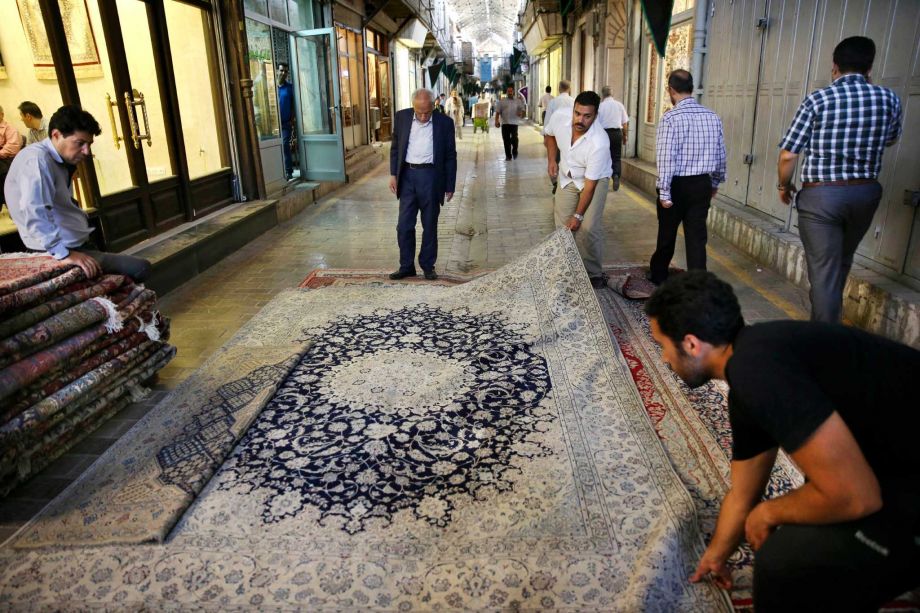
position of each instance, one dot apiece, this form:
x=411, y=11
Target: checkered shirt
x=690, y=142
x=843, y=130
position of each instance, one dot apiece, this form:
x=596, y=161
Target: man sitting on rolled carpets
x=39, y=193
x=840, y=402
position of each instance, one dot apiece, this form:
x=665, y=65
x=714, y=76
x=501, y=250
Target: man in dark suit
x=423, y=173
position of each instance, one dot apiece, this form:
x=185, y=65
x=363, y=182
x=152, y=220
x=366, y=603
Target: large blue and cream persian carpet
x=395, y=447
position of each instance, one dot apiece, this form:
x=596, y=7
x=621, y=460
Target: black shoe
x=402, y=274
x=431, y=275
x=599, y=282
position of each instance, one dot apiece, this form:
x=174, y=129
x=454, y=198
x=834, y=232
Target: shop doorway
x=320, y=125
x=163, y=158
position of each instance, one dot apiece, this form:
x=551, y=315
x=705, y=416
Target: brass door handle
x=110, y=106
x=134, y=99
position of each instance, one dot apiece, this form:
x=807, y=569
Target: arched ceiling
x=488, y=22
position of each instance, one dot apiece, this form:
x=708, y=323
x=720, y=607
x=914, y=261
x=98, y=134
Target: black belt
x=838, y=183
x=411, y=165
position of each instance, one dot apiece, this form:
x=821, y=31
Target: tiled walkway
x=500, y=210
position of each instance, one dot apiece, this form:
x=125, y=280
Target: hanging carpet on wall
x=479, y=446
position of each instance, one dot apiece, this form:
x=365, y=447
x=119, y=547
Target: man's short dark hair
x=71, y=118
x=548, y=89
x=588, y=98
x=30, y=108
x=681, y=81
x=696, y=302
x=855, y=54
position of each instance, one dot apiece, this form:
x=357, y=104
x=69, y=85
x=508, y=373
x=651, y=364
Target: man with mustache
x=690, y=152
x=582, y=173
x=838, y=401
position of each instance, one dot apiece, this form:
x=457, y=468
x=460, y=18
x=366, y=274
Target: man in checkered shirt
x=691, y=164
x=843, y=130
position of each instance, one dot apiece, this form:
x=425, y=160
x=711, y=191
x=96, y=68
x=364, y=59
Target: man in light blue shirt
x=40, y=198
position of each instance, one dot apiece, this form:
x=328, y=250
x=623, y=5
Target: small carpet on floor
x=478, y=446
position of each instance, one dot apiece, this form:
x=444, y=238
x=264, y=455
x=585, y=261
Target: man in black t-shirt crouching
x=841, y=402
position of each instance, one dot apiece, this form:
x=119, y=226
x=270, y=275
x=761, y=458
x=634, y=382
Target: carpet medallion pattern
x=531, y=479
x=396, y=409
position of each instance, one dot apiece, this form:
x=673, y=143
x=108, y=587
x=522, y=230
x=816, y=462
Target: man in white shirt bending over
x=582, y=172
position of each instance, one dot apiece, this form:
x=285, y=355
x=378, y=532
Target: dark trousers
x=510, y=139
x=417, y=195
x=286, y=152
x=690, y=197
x=113, y=263
x=616, y=147
x=832, y=222
x=853, y=566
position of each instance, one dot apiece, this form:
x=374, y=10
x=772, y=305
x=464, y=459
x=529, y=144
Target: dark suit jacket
x=445, y=151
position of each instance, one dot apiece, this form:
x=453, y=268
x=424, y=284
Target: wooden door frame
x=143, y=193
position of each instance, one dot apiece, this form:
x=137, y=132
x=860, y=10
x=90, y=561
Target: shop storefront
x=379, y=95
x=352, y=85
x=270, y=28
x=151, y=75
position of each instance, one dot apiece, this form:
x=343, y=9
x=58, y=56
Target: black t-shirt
x=787, y=377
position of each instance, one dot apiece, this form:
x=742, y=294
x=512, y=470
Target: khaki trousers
x=590, y=235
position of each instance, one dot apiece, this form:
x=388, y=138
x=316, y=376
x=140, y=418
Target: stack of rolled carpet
x=73, y=352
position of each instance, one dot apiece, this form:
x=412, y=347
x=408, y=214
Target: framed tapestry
x=80, y=39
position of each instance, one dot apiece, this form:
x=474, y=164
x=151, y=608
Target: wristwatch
x=784, y=186
x=578, y=216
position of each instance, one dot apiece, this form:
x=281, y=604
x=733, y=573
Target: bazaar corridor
x=501, y=210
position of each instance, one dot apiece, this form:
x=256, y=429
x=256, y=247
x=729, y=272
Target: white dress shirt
x=586, y=158
x=421, y=142
x=562, y=101
x=545, y=99
x=612, y=114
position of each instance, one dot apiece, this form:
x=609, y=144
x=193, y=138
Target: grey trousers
x=590, y=235
x=832, y=222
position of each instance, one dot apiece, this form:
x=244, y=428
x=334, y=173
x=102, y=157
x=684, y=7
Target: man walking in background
x=690, y=152
x=583, y=171
x=545, y=99
x=842, y=130
x=423, y=173
x=509, y=115
x=614, y=119
x=562, y=102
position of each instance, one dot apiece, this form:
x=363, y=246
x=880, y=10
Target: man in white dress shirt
x=545, y=99
x=582, y=172
x=614, y=119
x=562, y=102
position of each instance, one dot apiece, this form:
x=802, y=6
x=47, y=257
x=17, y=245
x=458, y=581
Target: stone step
x=185, y=252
